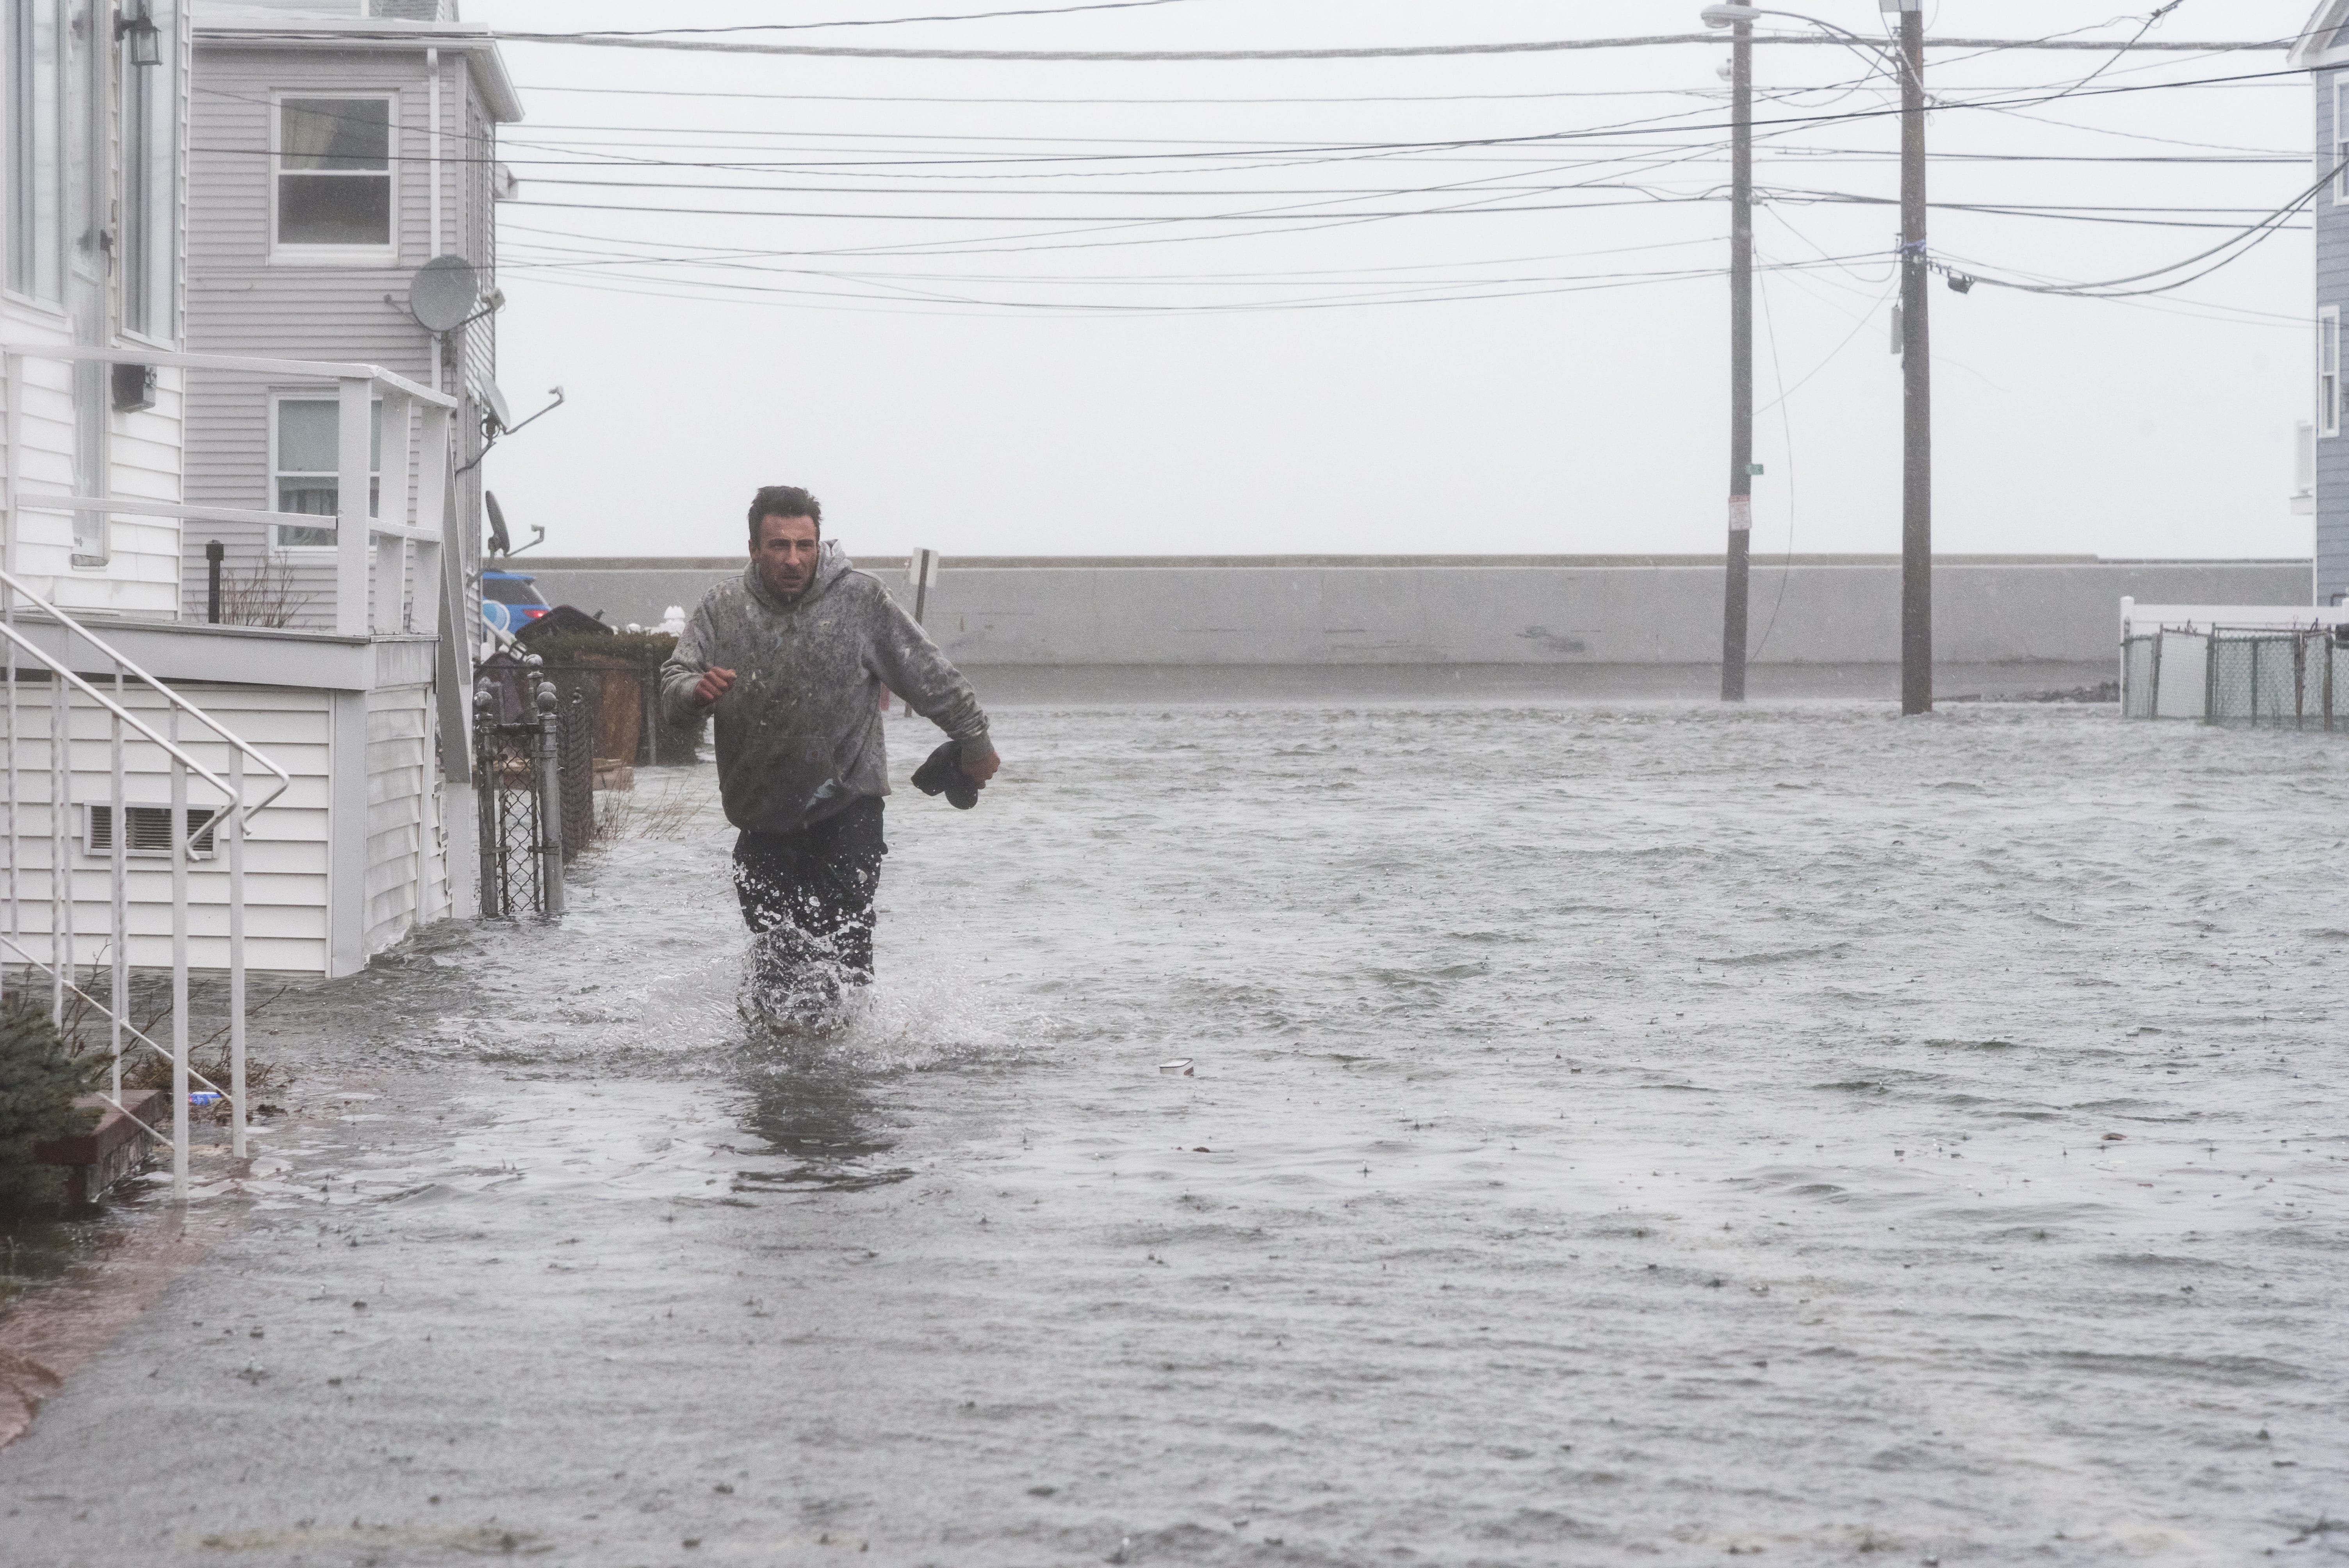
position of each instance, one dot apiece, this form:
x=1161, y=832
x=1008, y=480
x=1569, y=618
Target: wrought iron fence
x=578, y=767
x=625, y=725
x=518, y=783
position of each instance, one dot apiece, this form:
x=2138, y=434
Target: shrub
x=38, y=1080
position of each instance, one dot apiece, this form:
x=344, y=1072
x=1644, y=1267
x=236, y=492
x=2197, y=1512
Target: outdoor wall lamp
x=137, y=23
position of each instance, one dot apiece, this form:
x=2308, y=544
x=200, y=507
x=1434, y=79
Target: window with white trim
x=334, y=178
x=35, y=47
x=307, y=442
x=2328, y=371
x=151, y=179
x=2340, y=139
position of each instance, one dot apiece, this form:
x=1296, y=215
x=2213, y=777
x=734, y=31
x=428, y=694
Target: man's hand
x=979, y=769
x=712, y=685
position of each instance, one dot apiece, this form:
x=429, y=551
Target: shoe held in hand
x=941, y=774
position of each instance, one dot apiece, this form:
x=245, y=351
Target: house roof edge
x=471, y=40
x=2319, y=45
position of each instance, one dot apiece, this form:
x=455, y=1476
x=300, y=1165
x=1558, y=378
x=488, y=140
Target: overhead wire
x=1494, y=195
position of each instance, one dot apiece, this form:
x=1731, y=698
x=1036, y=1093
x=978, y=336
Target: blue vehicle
x=509, y=602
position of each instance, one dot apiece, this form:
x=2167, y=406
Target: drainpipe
x=432, y=149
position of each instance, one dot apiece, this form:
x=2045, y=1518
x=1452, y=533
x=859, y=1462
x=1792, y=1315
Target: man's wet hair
x=783, y=500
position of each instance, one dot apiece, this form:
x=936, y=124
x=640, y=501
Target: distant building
x=2324, y=51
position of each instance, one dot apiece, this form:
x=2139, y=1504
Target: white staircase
x=122, y=795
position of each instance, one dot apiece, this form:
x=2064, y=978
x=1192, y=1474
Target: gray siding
x=2332, y=219
x=239, y=302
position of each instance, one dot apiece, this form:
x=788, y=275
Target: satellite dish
x=499, y=412
x=444, y=292
x=501, y=542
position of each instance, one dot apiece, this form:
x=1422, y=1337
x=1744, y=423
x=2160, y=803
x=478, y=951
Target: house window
x=150, y=182
x=36, y=124
x=2340, y=138
x=309, y=444
x=335, y=178
x=2328, y=371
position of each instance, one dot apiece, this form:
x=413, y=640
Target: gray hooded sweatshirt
x=799, y=732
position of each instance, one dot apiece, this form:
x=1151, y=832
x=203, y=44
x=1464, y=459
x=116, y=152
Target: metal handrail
x=364, y=572
x=109, y=1015
x=285, y=780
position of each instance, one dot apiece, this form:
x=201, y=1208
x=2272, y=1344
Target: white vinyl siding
x=142, y=573
x=335, y=179
x=406, y=869
x=285, y=855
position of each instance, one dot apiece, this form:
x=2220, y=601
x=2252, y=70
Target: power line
x=1179, y=102
x=2242, y=245
x=893, y=21
x=1164, y=56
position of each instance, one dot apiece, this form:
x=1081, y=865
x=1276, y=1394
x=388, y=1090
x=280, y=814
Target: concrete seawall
x=1373, y=624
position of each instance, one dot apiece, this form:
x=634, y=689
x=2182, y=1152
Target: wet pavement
x=1621, y=1134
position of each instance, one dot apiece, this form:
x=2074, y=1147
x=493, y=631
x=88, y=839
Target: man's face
x=786, y=555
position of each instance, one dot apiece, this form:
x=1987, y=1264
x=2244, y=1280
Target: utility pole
x=1741, y=366
x=1917, y=378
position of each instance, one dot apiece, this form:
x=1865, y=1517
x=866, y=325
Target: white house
x=195, y=345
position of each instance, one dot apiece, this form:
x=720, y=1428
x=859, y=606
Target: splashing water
x=1620, y=1133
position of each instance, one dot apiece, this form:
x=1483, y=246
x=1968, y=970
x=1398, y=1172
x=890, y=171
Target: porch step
x=112, y=1150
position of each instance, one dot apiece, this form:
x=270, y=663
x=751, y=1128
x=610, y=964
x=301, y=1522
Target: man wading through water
x=793, y=655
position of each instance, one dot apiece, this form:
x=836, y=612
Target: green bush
x=38, y=1080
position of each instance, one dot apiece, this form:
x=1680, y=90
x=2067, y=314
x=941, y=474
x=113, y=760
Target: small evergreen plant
x=39, y=1078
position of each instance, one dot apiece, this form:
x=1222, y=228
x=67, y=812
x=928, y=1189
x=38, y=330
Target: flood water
x=1618, y=1135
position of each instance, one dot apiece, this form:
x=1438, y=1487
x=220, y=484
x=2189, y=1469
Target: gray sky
x=997, y=327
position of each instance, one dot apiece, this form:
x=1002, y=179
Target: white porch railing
x=373, y=556
x=408, y=525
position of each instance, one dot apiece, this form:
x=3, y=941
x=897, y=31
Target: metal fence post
x=550, y=800
x=488, y=759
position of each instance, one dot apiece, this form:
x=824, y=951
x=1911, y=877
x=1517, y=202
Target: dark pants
x=808, y=898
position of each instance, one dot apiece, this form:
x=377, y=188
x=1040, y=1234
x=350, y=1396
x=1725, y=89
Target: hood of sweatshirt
x=831, y=564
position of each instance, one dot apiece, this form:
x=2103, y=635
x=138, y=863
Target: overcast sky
x=1256, y=307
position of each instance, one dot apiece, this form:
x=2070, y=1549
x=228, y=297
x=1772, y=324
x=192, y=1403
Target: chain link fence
x=2270, y=677
x=2278, y=679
